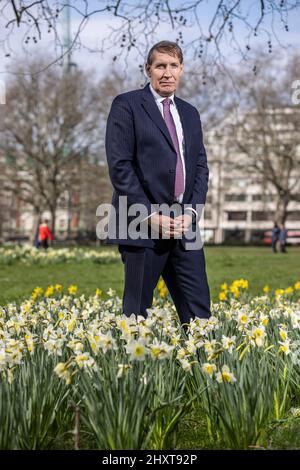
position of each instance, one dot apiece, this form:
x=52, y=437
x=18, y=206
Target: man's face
x=164, y=73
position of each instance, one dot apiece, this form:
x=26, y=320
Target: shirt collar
x=158, y=97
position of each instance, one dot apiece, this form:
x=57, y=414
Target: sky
x=99, y=26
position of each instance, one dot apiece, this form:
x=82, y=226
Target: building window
x=293, y=215
x=236, y=197
x=235, y=182
x=237, y=215
x=263, y=215
x=264, y=197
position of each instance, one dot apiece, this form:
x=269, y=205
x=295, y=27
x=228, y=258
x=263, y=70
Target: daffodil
x=279, y=292
x=208, y=368
x=209, y=346
x=182, y=353
x=123, y=369
x=76, y=346
x=191, y=345
x=289, y=290
x=84, y=360
x=222, y=296
x=235, y=290
x=111, y=292
x=295, y=412
x=160, y=350
x=243, y=318
x=285, y=347
x=49, y=291
x=225, y=375
x=37, y=292
x=264, y=320
x=186, y=365
x=137, y=350
x=258, y=335
x=107, y=342
x=228, y=343
x=224, y=286
x=283, y=334
x=72, y=289
x=62, y=371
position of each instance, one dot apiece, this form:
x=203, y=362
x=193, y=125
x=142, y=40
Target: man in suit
x=156, y=157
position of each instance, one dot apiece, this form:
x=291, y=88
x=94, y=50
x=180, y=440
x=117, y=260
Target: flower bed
x=133, y=379
x=31, y=255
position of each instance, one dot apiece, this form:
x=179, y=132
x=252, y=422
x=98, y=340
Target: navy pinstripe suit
x=142, y=160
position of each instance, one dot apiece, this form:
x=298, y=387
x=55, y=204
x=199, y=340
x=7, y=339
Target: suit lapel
x=151, y=108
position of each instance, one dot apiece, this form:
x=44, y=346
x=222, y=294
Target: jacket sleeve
x=120, y=151
x=202, y=172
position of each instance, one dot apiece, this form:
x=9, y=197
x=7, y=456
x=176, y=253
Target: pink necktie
x=179, y=177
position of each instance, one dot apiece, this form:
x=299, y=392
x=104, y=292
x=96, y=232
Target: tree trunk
x=53, y=219
x=281, y=209
x=36, y=223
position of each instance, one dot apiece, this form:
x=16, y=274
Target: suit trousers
x=182, y=270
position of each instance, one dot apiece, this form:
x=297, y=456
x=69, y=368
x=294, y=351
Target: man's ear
x=147, y=69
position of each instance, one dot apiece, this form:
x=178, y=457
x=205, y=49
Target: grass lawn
x=224, y=264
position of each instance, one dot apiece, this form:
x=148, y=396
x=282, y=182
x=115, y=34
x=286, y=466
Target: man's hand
x=184, y=222
x=168, y=227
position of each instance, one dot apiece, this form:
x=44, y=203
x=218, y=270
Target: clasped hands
x=168, y=227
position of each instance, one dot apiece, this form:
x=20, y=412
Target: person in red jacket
x=45, y=234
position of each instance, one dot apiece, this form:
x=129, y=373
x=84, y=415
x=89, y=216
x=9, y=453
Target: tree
x=52, y=137
x=134, y=26
x=52, y=122
x=95, y=186
x=265, y=131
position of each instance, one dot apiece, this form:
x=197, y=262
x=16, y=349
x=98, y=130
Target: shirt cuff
x=193, y=210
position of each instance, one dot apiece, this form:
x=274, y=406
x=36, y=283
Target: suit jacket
x=142, y=159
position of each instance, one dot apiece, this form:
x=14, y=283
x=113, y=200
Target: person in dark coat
x=283, y=238
x=275, y=236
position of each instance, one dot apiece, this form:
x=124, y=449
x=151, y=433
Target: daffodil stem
x=77, y=428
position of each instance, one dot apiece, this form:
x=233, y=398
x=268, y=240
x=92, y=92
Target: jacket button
x=171, y=170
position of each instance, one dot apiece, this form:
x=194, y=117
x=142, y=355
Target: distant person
x=45, y=234
x=283, y=238
x=37, y=242
x=275, y=236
